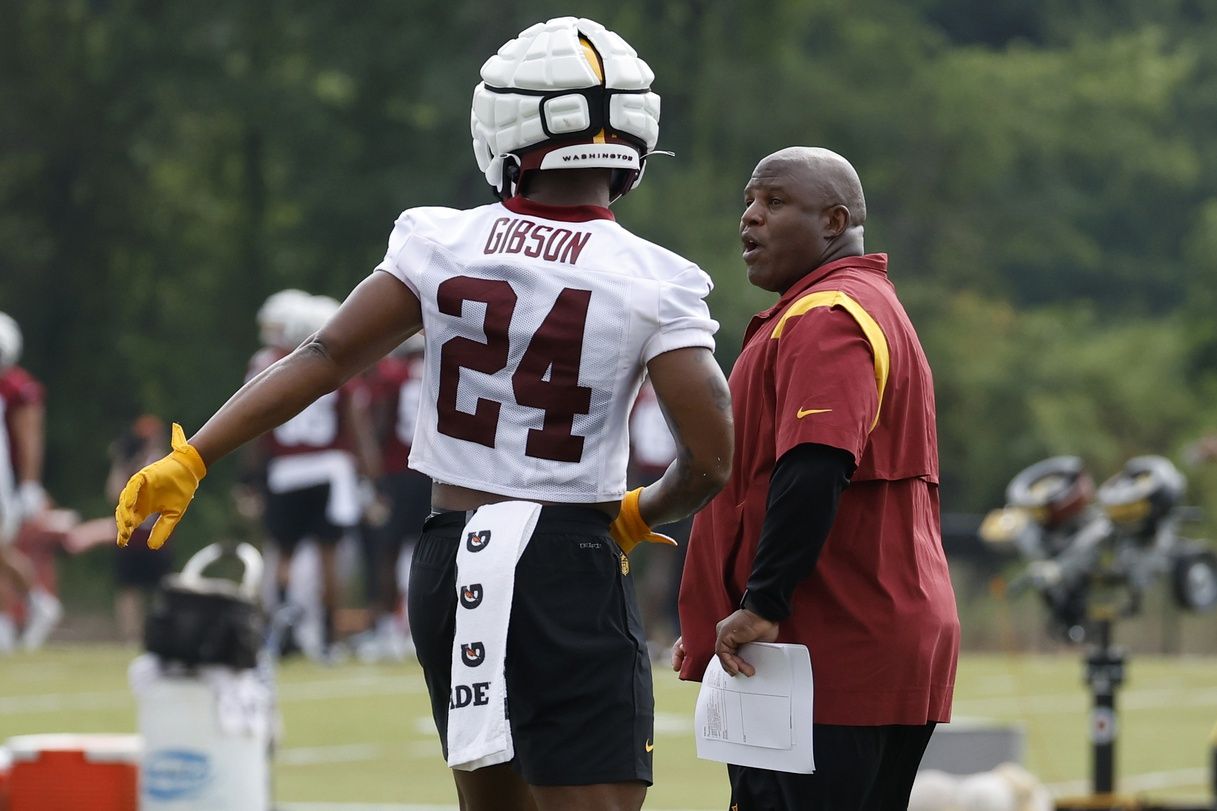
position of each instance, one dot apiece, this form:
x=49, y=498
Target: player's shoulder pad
x=666, y=265
x=421, y=217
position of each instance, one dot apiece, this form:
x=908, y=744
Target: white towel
x=336, y=468
x=244, y=699
x=491, y=544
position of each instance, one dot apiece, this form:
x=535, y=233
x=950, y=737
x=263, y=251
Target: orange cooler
x=5, y=762
x=69, y=771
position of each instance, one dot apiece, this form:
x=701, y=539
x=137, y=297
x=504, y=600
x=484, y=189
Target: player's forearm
x=686, y=487
x=697, y=406
x=379, y=314
x=269, y=399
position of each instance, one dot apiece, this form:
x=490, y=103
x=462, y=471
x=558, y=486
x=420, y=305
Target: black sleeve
x=804, y=489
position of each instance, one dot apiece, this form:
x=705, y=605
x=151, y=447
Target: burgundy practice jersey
x=319, y=427
x=652, y=446
x=314, y=447
x=395, y=388
x=18, y=388
x=539, y=323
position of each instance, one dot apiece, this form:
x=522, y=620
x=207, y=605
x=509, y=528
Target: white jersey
x=539, y=323
x=10, y=513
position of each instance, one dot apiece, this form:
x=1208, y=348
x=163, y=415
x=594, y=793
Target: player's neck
x=569, y=187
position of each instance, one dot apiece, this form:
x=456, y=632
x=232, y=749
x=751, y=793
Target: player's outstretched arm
x=697, y=406
x=378, y=315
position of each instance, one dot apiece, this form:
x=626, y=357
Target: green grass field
x=362, y=734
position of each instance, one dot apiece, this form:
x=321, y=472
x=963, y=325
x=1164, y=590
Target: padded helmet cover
x=10, y=341
x=581, y=107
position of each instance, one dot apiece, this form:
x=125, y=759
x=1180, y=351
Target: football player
x=312, y=462
x=542, y=316
x=22, y=420
x=652, y=450
x=403, y=497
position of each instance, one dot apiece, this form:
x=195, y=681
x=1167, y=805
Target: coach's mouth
x=750, y=248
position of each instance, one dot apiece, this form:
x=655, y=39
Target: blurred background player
x=22, y=497
x=311, y=467
x=137, y=569
x=250, y=494
x=274, y=317
x=652, y=450
x=403, y=499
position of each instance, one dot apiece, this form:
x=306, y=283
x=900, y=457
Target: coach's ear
x=629, y=529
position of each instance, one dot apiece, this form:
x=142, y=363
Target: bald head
x=803, y=208
x=831, y=177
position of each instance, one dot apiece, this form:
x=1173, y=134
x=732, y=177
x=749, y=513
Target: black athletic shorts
x=137, y=566
x=295, y=515
x=409, y=495
x=857, y=769
x=579, y=695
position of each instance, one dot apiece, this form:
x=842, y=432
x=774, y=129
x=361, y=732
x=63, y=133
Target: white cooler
x=206, y=740
x=207, y=729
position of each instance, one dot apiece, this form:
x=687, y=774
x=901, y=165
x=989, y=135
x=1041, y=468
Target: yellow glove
x=629, y=529
x=166, y=486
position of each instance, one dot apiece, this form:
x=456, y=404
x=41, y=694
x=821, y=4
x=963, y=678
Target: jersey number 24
x=547, y=376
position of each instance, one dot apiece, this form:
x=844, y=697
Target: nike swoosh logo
x=803, y=412
x=649, y=746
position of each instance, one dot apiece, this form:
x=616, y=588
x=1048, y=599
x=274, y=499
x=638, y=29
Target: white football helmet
x=274, y=314
x=306, y=317
x=564, y=94
x=10, y=342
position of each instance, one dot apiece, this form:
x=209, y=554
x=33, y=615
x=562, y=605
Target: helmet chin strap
x=505, y=169
x=628, y=181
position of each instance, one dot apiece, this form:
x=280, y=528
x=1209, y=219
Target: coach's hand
x=629, y=529
x=166, y=486
x=739, y=629
x=679, y=654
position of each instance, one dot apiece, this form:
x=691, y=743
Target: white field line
x=1015, y=706
x=1150, y=781
x=1127, y=698
x=666, y=723
x=56, y=702
x=327, y=690
x=314, y=755
x=351, y=688
x=359, y=807
x=390, y=807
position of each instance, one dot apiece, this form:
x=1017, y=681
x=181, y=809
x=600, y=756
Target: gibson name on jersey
x=511, y=235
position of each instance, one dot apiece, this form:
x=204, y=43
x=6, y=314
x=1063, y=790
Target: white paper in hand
x=762, y=720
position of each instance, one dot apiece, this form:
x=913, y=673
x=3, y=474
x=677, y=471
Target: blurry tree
x=1015, y=387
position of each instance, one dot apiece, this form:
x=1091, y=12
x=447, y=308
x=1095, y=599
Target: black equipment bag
x=196, y=620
